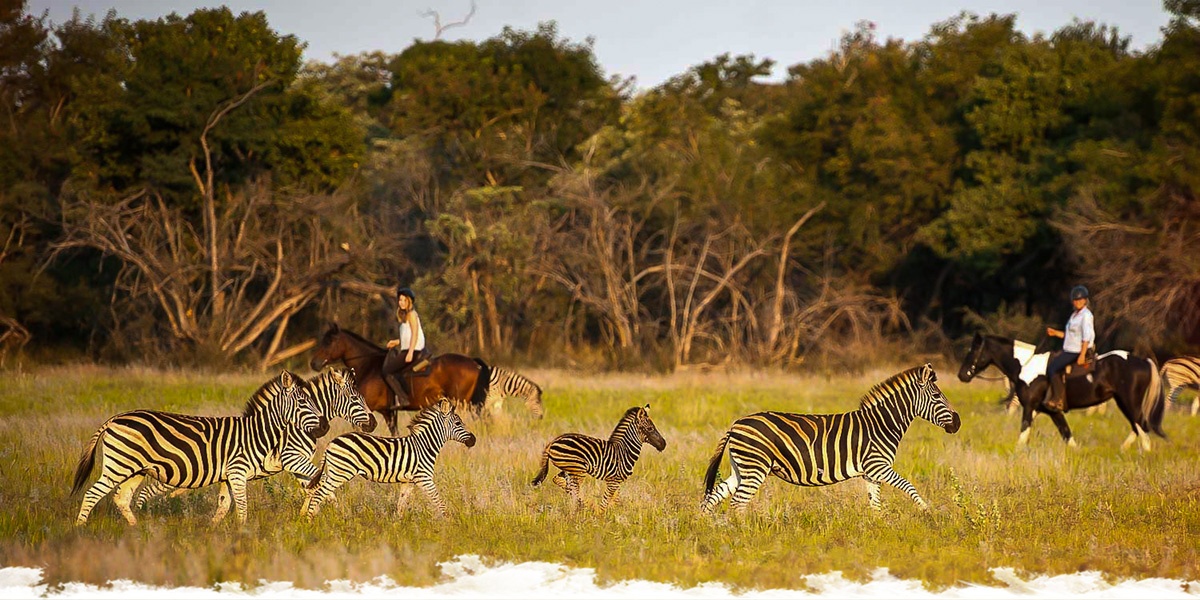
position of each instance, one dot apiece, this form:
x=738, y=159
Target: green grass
x=1041, y=509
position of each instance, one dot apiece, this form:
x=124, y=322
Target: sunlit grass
x=1041, y=509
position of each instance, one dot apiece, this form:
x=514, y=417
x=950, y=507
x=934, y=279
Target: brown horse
x=452, y=376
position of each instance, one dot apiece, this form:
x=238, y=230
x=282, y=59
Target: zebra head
x=348, y=403
x=297, y=408
x=930, y=404
x=454, y=425
x=647, y=431
x=975, y=361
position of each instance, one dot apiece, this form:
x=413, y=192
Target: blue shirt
x=1079, y=329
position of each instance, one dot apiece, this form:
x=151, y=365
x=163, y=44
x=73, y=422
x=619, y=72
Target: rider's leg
x=1058, y=385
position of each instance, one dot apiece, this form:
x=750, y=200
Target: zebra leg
x=873, y=493
x=401, y=500
x=885, y=474
x=610, y=493
x=721, y=491
x=426, y=483
x=224, y=499
x=237, y=487
x=124, y=497
x=331, y=479
x=153, y=489
x=1195, y=405
x=747, y=487
x=105, y=484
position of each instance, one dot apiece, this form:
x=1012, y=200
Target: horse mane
x=266, y=393
x=625, y=419
x=359, y=338
x=886, y=389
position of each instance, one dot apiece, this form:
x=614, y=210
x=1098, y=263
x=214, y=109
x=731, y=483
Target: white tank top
x=406, y=336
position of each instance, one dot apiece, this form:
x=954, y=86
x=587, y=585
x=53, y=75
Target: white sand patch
x=470, y=577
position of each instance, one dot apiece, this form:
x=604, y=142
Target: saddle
x=1075, y=370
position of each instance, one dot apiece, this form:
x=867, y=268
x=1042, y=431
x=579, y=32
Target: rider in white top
x=403, y=351
x=1079, y=335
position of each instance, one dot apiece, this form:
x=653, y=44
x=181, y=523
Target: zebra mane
x=886, y=389
x=629, y=415
x=427, y=416
x=266, y=393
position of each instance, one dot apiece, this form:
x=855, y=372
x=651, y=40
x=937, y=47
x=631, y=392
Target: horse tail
x=1154, y=402
x=714, y=465
x=479, y=394
x=541, y=476
x=88, y=461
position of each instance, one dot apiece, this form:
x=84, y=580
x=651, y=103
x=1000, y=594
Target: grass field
x=1042, y=509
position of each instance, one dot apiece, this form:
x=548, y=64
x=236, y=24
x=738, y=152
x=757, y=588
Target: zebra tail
x=88, y=461
x=482, y=382
x=541, y=476
x=1154, y=403
x=714, y=465
x=316, y=479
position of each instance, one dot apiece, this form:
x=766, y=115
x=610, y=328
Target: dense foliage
x=186, y=190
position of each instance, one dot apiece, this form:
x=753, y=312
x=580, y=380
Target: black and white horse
x=1132, y=380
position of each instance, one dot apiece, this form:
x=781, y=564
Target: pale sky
x=649, y=39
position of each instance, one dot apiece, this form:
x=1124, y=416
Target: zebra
x=611, y=461
x=814, y=450
x=1179, y=373
x=333, y=395
x=189, y=451
x=503, y=383
x=407, y=459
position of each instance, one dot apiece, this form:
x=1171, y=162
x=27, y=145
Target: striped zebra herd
x=277, y=431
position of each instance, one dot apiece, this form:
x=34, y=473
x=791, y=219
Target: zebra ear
x=444, y=406
x=285, y=379
x=338, y=376
x=647, y=408
x=927, y=373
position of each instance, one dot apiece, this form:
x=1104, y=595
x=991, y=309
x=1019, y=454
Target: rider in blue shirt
x=1079, y=335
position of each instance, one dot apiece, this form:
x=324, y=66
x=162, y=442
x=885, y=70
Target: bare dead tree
x=707, y=273
x=277, y=253
x=437, y=20
x=604, y=255
x=776, y=320
x=1145, y=270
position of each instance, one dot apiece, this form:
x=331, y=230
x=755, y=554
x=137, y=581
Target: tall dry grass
x=1041, y=509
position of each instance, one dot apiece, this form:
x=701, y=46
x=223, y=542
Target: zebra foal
x=813, y=450
x=407, y=459
x=1179, y=373
x=188, y=451
x=503, y=383
x=333, y=395
x=611, y=461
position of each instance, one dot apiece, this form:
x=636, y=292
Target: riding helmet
x=1078, y=292
x=408, y=292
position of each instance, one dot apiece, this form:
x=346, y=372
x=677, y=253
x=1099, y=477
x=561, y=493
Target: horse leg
x=1026, y=421
x=1063, y=429
x=1136, y=432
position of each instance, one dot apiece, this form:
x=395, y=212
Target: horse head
x=328, y=348
x=975, y=361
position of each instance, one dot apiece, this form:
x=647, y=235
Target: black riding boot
x=1058, y=393
x=394, y=383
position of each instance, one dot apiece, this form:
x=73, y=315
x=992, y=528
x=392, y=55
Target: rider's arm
x=1052, y=332
x=414, y=325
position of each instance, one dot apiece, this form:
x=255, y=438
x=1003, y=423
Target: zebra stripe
x=1180, y=373
x=503, y=383
x=333, y=396
x=611, y=461
x=813, y=450
x=189, y=451
x=408, y=459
